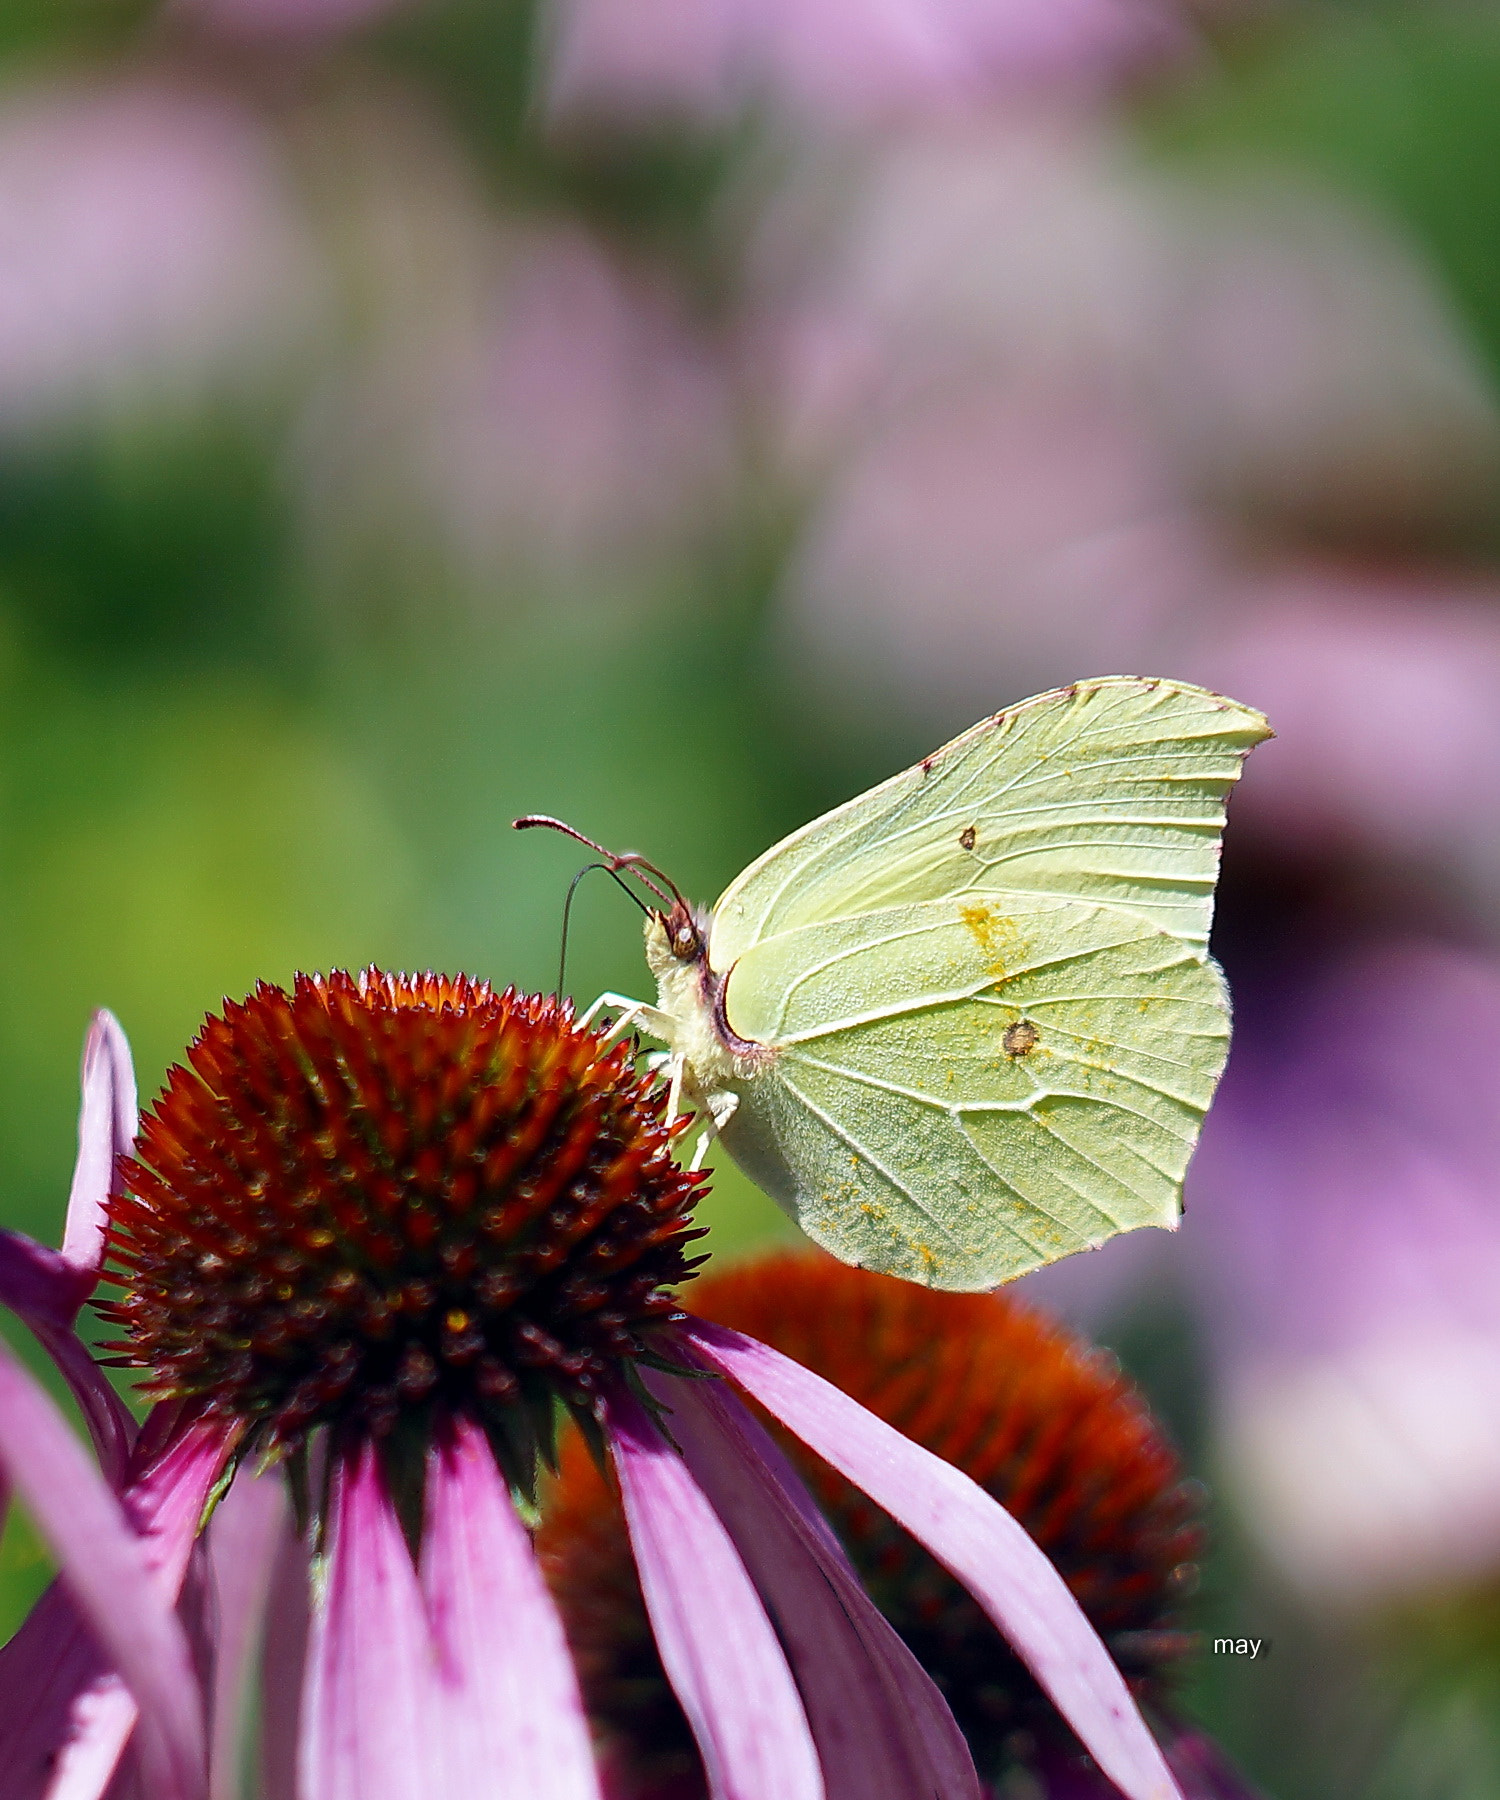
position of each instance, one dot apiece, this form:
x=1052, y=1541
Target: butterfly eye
x=683, y=936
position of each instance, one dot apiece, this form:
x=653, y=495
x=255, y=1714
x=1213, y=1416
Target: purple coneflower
x=1036, y=1416
x=371, y=1242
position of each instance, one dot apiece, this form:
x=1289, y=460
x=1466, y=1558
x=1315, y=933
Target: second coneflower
x=376, y=1235
x=1038, y=1418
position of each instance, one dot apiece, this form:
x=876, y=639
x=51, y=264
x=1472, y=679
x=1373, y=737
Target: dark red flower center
x=380, y=1195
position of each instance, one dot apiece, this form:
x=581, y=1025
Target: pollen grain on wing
x=998, y=939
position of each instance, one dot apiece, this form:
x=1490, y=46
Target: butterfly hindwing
x=967, y=1088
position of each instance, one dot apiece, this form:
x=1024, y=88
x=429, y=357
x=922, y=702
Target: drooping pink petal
x=35, y=1281
x=196, y=1611
x=120, y=1576
x=93, y=1760
x=513, y=1719
x=973, y=1537
x=51, y=1676
x=243, y=1538
x=1202, y=1770
x=46, y=1287
x=882, y=1729
x=106, y=1131
x=46, y=1292
x=283, y=1661
x=370, y=1723
x=80, y=1702
x=127, y=1784
x=110, y=1425
x=717, y=1645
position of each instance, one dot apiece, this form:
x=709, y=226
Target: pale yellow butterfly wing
x=958, y=1100
x=1111, y=791
x=986, y=983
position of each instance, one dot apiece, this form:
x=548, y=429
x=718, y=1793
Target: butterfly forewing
x=1111, y=791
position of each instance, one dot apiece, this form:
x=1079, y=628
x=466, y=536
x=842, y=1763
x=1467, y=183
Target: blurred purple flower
x=1310, y=372
x=1021, y=250
x=549, y=411
x=1038, y=392
x=269, y=1190
x=1039, y=531
x=957, y=348
x=1345, y=1238
x=1342, y=1249
x=147, y=242
x=593, y=420
x=842, y=60
x=1382, y=687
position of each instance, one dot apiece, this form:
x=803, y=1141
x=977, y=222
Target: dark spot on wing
x=1020, y=1038
x=967, y=837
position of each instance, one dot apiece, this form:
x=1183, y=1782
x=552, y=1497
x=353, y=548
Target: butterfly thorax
x=691, y=994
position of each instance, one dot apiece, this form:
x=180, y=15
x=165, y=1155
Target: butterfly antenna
x=531, y=820
x=588, y=869
x=631, y=861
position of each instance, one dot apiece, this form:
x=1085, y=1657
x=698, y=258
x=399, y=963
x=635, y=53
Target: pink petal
x=514, y=1723
x=1202, y=1770
x=49, y=1674
x=283, y=1662
x=106, y=1130
x=90, y=1763
x=370, y=1724
x=973, y=1537
x=717, y=1645
x=46, y=1292
x=36, y=1282
x=244, y=1536
x=47, y=1287
x=883, y=1730
x=109, y=1424
x=118, y=1585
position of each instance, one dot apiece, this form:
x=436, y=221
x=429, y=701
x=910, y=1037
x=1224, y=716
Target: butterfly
x=967, y=1023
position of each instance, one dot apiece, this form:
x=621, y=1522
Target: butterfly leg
x=632, y=1012
x=674, y=1092
x=721, y=1109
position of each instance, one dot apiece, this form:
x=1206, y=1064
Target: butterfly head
x=691, y=993
x=674, y=930
x=677, y=942
x=686, y=931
